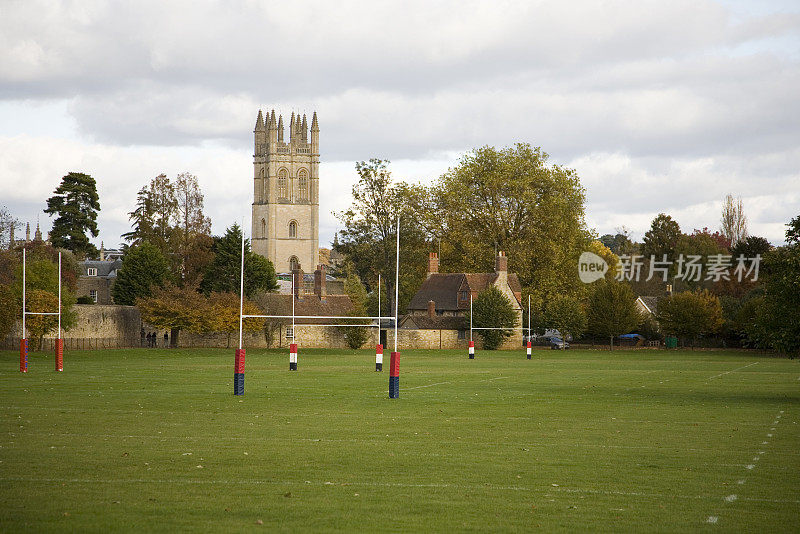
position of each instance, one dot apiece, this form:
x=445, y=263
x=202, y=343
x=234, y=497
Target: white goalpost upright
x=59, y=342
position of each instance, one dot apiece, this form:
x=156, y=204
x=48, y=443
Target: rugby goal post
x=23, y=344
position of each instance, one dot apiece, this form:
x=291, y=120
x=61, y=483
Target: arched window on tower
x=283, y=183
x=303, y=179
x=293, y=263
x=293, y=229
x=263, y=228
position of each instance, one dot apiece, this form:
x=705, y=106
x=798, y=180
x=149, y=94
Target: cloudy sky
x=660, y=106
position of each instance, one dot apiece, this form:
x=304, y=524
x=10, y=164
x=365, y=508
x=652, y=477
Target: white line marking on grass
x=741, y=481
x=730, y=498
x=499, y=378
x=751, y=466
x=429, y=385
x=712, y=519
x=472, y=487
x=733, y=370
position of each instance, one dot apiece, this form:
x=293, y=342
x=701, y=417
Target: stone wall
x=101, y=326
x=96, y=326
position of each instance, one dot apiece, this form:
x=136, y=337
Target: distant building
x=442, y=301
x=97, y=277
x=286, y=191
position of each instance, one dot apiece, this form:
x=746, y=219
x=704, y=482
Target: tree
x=565, y=314
x=599, y=248
x=620, y=243
x=175, y=309
x=75, y=202
x=492, y=309
x=751, y=247
x=170, y=216
x=776, y=320
x=512, y=200
x=662, y=238
x=8, y=224
x=223, y=273
x=612, y=310
x=690, y=314
x=793, y=231
x=368, y=239
x=143, y=267
x=223, y=309
x=194, y=231
x=734, y=221
x=354, y=335
x=8, y=310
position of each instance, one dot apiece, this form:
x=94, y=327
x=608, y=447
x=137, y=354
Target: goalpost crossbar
x=42, y=313
x=316, y=317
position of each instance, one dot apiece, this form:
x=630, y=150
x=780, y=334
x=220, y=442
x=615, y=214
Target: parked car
x=556, y=343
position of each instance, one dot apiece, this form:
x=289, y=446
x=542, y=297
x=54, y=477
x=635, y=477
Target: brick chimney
x=431, y=309
x=297, y=276
x=433, y=263
x=501, y=267
x=319, y=282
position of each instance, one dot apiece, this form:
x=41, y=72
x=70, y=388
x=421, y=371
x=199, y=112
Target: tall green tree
x=492, y=309
x=144, y=267
x=565, y=314
x=734, y=221
x=661, y=238
x=777, y=323
x=193, y=236
x=512, y=200
x=356, y=336
x=612, y=310
x=223, y=273
x=368, y=239
x=690, y=314
x=75, y=203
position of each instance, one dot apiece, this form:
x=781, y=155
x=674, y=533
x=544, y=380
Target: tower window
x=263, y=228
x=293, y=229
x=283, y=183
x=293, y=263
x=303, y=179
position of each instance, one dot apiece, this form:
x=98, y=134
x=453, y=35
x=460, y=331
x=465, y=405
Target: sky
x=658, y=106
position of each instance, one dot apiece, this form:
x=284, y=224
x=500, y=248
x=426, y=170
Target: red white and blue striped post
x=293, y=357
x=238, y=373
x=529, y=350
x=471, y=350
x=379, y=357
x=394, y=376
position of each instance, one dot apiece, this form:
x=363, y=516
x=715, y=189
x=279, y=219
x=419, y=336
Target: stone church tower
x=286, y=192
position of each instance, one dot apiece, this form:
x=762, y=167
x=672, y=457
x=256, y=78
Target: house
x=96, y=279
x=443, y=300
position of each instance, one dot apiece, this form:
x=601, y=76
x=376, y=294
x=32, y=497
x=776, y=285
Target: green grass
x=568, y=441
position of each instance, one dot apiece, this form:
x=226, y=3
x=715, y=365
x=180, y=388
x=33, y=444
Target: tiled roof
x=107, y=269
x=443, y=289
x=440, y=288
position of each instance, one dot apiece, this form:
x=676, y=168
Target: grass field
x=154, y=440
